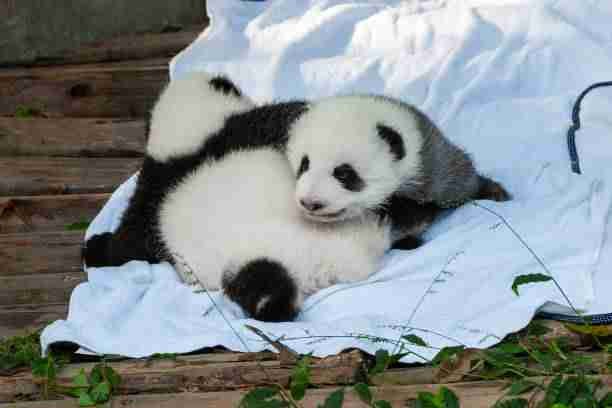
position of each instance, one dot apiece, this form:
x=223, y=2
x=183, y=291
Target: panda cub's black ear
x=222, y=84
x=393, y=139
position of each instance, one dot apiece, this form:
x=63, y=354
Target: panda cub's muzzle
x=318, y=211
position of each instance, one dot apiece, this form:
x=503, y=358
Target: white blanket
x=500, y=78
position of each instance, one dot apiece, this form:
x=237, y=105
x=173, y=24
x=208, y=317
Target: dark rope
x=571, y=132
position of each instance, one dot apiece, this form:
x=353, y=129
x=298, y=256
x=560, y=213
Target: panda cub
x=274, y=202
x=215, y=198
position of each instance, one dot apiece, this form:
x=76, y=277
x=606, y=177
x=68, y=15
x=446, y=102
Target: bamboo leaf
x=363, y=391
x=529, y=278
x=416, y=340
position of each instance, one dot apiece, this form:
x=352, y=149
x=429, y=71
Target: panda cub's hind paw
x=492, y=190
x=407, y=243
x=264, y=289
x=96, y=250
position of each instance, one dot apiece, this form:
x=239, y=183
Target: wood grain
x=195, y=374
x=127, y=47
x=471, y=395
x=41, y=289
x=122, y=89
x=37, y=176
x=27, y=214
x=70, y=137
x=22, y=319
x=40, y=253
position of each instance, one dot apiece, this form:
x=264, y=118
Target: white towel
x=500, y=78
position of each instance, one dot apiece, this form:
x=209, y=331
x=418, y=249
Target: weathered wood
x=127, y=47
x=36, y=176
x=48, y=213
x=470, y=394
x=40, y=253
x=20, y=320
x=32, y=29
x=195, y=374
x=123, y=89
x=43, y=289
x=101, y=137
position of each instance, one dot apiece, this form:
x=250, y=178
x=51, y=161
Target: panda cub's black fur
x=336, y=183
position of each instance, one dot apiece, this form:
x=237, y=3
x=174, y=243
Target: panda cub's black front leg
x=409, y=219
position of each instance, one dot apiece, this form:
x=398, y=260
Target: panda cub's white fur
x=187, y=111
x=240, y=208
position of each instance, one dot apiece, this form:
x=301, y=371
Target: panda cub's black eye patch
x=349, y=178
x=304, y=164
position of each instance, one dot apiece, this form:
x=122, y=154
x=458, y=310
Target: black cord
x=571, y=132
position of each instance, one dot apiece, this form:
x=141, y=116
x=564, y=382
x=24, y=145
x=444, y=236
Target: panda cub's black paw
x=96, y=250
x=264, y=290
x=407, y=243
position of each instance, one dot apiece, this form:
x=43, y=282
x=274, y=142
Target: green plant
x=95, y=388
x=23, y=112
x=19, y=351
x=78, y=226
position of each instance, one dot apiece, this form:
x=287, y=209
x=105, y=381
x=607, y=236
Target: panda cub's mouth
x=328, y=217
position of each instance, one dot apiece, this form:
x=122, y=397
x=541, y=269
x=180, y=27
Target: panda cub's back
x=241, y=207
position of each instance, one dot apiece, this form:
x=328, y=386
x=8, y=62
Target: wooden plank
x=123, y=89
x=42, y=289
x=127, y=47
x=40, y=253
x=69, y=137
x=194, y=374
x=23, y=319
x=48, y=213
x=37, y=176
x=470, y=394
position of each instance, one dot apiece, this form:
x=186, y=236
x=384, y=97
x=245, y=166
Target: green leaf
x=96, y=376
x=382, y=362
x=560, y=406
x=334, y=400
x=552, y=391
x=300, y=378
x=44, y=368
x=77, y=226
x=513, y=403
x=529, y=278
x=543, y=358
x=381, y=404
x=568, y=390
x=257, y=396
x=80, y=380
x=416, y=340
x=85, y=400
x=24, y=112
x=363, y=391
x=521, y=386
x=298, y=390
x=447, y=353
x=426, y=400
x=113, y=378
x=101, y=392
x=449, y=398
x=509, y=348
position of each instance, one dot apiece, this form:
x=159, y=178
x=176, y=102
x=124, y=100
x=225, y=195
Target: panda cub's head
x=350, y=153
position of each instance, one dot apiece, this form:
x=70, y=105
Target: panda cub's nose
x=312, y=205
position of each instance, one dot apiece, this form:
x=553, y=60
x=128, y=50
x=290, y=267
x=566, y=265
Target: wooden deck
x=83, y=135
